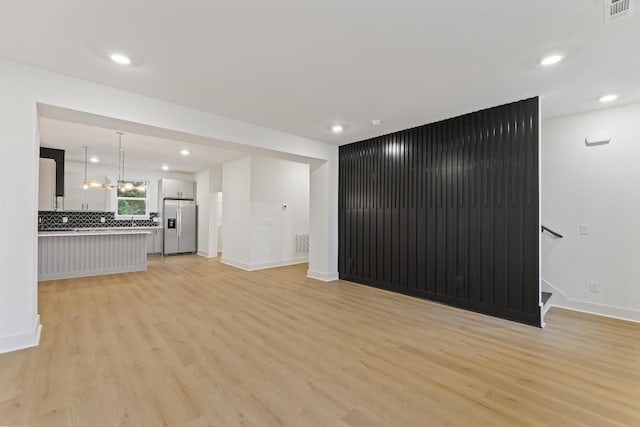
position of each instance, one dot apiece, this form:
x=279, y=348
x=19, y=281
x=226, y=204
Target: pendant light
x=86, y=183
x=122, y=185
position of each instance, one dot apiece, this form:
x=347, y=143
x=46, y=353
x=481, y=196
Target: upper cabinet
x=176, y=189
x=77, y=198
x=47, y=185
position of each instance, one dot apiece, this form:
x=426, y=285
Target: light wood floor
x=192, y=342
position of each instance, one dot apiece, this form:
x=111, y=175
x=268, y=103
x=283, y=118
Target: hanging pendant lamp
x=87, y=183
x=123, y=185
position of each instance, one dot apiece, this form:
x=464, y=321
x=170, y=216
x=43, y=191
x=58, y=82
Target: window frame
x=146, y=200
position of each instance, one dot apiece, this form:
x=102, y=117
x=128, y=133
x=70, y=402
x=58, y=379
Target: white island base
x=67, y=254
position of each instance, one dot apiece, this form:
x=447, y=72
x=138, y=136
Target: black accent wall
x=448, y=211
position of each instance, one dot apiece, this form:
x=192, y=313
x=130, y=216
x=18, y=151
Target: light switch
x=584, y=229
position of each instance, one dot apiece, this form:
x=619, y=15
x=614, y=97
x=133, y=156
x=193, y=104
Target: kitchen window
x=132, y=199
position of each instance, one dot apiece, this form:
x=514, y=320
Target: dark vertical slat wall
x=448, y=211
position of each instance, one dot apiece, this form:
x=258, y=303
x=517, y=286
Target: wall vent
x=616, y=9
x=302, y=243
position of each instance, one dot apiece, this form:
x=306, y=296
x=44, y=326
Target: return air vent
x=302, y=243
x=616, y=9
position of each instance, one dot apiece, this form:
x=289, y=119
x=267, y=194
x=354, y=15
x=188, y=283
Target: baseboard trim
x=206, y=255
x=22, y=341
x=234, y=263
x=264, y=265
x=561, y=300
x=330, y=277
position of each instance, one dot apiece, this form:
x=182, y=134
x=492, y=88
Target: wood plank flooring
x=192, y=342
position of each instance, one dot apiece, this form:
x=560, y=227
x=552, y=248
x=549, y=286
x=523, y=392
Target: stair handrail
x=548, y=230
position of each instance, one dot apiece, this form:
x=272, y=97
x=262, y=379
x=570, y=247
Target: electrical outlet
x=594, y=287
x=156, y=219
x=65, y=220
x=102, y=220
x=584, y=229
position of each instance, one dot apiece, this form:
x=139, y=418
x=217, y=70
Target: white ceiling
x=141, y=151
x=300, y=66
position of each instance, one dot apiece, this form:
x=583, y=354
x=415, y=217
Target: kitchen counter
x=96, y=231
x=64, y=254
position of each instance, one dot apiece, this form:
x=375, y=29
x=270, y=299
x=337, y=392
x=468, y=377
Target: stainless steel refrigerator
x=180, y=231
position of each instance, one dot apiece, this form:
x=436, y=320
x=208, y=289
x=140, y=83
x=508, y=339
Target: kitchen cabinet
x=176, y=189
x=77, y=198
x=47, y=185
x=154, y=242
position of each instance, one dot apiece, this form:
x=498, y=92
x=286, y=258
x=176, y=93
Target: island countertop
x=96, y=231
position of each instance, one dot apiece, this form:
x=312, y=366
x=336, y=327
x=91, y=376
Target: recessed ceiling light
x=376, y=122
x=337, y=128
x=94, y=160
x=165, y=167
x=120, y=59
x=184, y=152
x=608, y=98
x=551, y=60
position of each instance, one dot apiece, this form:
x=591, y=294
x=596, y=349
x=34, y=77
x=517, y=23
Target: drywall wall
x=596, y=186
x=215, y=178
x=202, y=196
x=207, y=229
x=24, y=87
x=323, y=223
x=279, y=211
x=277, y=195
x=236, y=191
x=19, y=319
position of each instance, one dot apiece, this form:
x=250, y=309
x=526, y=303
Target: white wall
x=207, y=229
x=23, y=87
x=236, y=191
x=202, y=196
x=274, y=183
x=135, y=174
x=323, y=223
x=215, y=178
x=266, y=184
x=599, y=186
x=19, y=320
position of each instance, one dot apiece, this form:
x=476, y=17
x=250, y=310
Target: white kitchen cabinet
x=176, y=189
x=47, y=185
x=77, y=198
x=154, y=242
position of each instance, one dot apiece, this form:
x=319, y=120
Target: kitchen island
x=64, y=254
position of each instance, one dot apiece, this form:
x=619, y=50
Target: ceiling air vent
x=616, y=9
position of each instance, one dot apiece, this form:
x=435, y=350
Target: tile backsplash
x=53, y=220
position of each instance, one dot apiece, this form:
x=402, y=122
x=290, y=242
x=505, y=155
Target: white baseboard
x=323, y=276
x=21, y=341
x=206, y=255
x=561, y=300
x=234, y=263
x=263, y=265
